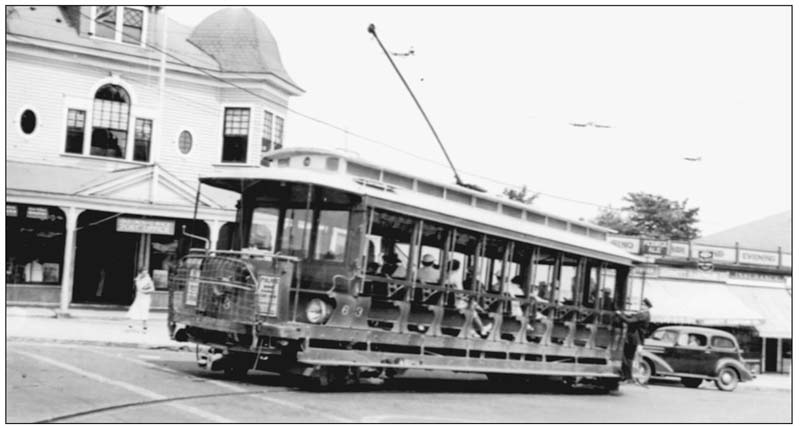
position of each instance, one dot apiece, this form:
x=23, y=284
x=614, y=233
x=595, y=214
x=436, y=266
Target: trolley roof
x=336, y=170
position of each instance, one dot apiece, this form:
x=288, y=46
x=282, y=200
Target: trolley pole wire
x=371, y=30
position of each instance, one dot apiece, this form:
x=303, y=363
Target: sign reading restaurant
x=143, y=225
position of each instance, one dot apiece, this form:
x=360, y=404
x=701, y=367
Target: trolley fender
x=659, y=364
x=744, y=373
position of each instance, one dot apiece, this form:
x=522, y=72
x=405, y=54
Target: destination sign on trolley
x=144, y=225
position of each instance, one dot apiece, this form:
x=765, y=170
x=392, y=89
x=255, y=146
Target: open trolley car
x=342, y=269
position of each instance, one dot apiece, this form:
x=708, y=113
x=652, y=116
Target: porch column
x=779, y=363
x=763, y=354
x=213, y=233
x=72, y=214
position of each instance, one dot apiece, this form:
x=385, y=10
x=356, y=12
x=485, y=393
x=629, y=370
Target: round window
x=28, y=121
x=185, y=142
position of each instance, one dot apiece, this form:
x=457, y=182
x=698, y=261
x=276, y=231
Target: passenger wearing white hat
x=428, y=273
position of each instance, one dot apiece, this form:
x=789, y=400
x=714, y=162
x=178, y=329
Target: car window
x=668, y=336
x=692, y=339
x=722, y=342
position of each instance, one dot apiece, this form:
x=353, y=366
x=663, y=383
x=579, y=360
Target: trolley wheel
x=331, y=378
x=691, y=382
x=237, y=366
x=727, y=379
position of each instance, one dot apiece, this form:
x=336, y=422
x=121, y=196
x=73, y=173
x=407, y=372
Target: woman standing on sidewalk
x=140, y=309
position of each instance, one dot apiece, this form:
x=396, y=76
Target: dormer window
x=125, y=24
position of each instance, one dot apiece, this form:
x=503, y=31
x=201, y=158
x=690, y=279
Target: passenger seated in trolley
x=463, y=302
x=428, y=272
x=392, y=266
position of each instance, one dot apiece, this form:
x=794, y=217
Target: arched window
x=111, y=112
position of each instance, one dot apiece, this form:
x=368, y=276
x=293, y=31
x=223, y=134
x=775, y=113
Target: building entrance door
x=771, y=355
x=105, y=261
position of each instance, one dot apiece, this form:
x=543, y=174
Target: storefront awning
x=698, y=302
x=774, y=304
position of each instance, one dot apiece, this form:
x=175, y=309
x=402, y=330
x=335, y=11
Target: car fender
x=744, y=373
x=660, y=366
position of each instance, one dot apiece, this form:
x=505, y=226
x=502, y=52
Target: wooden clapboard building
x=111, y=114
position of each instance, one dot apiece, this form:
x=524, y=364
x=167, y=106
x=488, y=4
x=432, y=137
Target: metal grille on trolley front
x=217, y=287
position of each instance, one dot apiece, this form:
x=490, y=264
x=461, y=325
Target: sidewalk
x=88, y=326
x=110, y=328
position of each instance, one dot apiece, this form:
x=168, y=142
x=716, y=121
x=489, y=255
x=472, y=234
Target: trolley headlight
x=317, y=311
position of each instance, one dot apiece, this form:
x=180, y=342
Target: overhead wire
x=340, y=128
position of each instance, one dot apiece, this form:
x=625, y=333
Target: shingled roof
x=240, y=42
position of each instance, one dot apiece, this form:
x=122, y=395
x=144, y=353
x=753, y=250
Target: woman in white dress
x=140, y=308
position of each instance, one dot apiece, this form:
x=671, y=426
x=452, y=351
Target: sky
x=502, y=86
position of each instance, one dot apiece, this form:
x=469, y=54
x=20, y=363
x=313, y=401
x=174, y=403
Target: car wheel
x=727, y=379
x=691, y=382
x=643, y=372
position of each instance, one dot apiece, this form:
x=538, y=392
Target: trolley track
x=143, y=403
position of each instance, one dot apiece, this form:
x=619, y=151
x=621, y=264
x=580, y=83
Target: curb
x=166, y=346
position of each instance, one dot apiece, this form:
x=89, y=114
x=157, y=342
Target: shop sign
x=678, y=249
x=665, y=272
x=718, y=254
x=638, y=272
x=758, y=258
x=143, y=225
x=630, y=245
x=11, y=210
x=655, y=247
x=756, y=276
x=39, y=213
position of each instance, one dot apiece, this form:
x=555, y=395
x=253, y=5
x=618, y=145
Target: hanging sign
x=628, y=244
x=719, y=254
x=655, y=247
x=678, y=249
x=144, y=225
x=11, y=210
x=751, y=257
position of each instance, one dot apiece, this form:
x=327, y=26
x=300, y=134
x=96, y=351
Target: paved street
x=112, y=384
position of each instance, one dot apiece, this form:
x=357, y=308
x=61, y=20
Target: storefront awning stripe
x=774, y=304
x=698, y=302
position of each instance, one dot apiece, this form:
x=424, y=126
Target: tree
x=520, y=195
x=653, y=216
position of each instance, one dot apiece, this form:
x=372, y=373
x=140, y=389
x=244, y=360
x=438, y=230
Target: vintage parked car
x=694, y=354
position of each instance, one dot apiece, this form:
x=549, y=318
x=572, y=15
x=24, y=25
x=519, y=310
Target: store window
x=235, y=132
x=143, y=132
x=34, y=244
x=27, y=121
x=76, y=121
x=110, y=121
